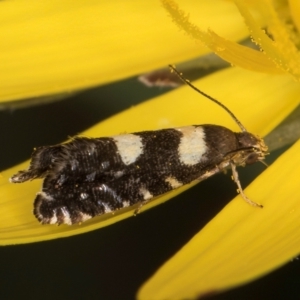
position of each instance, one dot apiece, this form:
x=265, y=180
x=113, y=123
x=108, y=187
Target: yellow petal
x=295, y=12
x=242, y=56
x=282, y=51
x=241, y=243
x=251, y=96
x=237, y=55
x=60, y=46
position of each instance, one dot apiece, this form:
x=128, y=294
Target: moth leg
x=235, y=176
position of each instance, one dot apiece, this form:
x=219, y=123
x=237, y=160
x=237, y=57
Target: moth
x=88, y=177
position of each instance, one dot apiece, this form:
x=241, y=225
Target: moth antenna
x=173, y=69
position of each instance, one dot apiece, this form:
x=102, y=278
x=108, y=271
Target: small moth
x=87, y=177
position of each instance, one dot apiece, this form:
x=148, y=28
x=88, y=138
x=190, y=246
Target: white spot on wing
x=84, y=196
x=118, y=174
x=53, y=220
x=146, y=194
x=174, y=183
x=126, y=203
x=129, y=146
x=84, y=217
x=45, y=196
x=105, y=165
x=74, y=164
x=62, y=179
x=67, y=218
x=192, y=145
x=107, y=209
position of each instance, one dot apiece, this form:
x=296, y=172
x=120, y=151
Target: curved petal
x=230, y=51
x=257, y=104
x=56, y=46
x=242, y=56
x=241, y=243
x=282, y=51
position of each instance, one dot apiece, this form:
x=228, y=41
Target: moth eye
x=252, y=158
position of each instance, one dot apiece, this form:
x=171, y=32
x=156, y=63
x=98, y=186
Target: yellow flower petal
x=230, y=51
x=241, y=243
x=59, y=46
x=251, y=96
x=295, y=12
x=282, y=51
x=242, y=56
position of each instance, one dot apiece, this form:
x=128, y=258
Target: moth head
x=251, y=148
